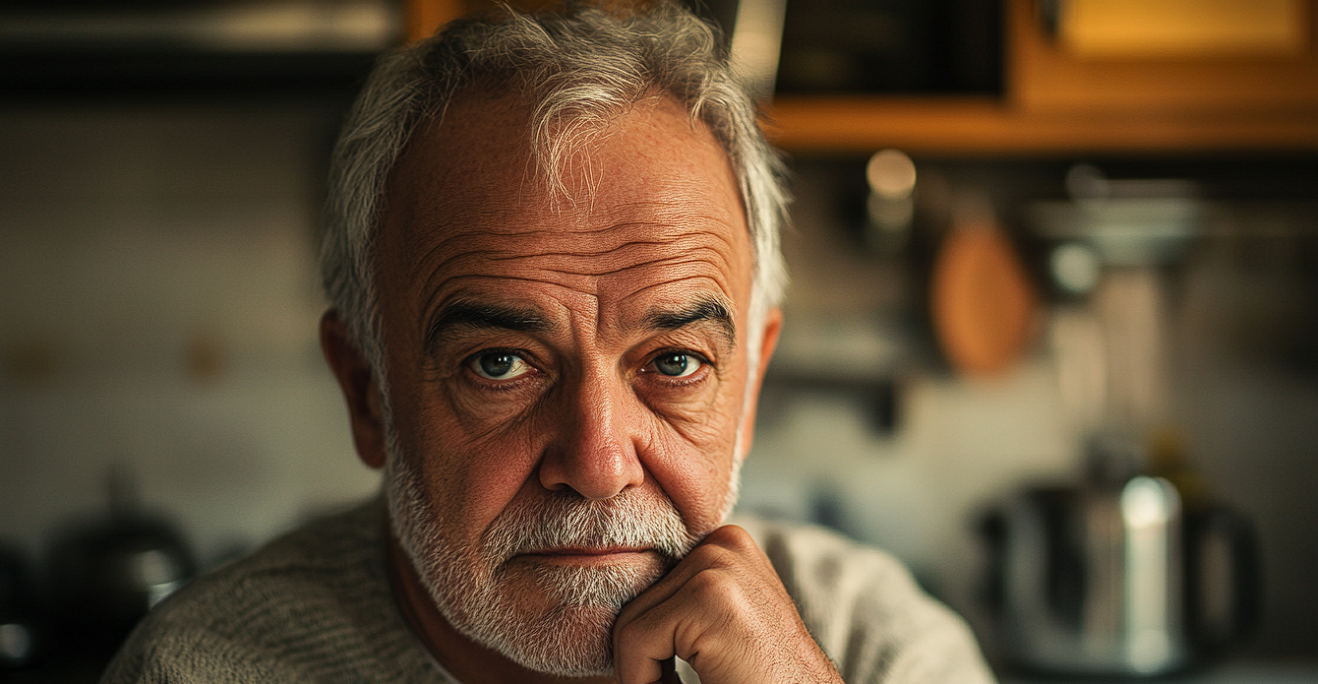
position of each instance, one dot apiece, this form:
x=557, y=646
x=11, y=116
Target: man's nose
x=593, y=451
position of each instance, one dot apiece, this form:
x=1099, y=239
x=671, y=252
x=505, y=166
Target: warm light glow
x=891, y=174
x=1114, y=28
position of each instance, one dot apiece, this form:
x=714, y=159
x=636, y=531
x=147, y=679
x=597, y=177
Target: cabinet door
x=1136, y=57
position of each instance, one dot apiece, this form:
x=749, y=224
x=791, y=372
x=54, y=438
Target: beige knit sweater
x=315, y=606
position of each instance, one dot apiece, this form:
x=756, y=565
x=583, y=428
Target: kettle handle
x=1223, y=588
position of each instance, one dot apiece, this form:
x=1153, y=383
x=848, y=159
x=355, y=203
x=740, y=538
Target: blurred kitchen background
x=1036, y=243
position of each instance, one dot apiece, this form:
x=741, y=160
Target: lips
x=590, y=555
x=590, y=550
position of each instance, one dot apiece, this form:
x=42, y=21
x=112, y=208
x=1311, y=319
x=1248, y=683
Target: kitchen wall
x=1233, y=382
x=158, y=313
x=158, y=309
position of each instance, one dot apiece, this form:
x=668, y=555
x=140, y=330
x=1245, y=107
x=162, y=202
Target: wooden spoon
x=981, y=301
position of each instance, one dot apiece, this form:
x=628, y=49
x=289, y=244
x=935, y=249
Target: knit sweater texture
x=315, y=607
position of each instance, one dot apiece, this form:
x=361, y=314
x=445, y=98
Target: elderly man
x=553, y=264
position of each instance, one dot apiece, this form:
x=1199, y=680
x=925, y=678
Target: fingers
x=703, y=606
x=723, y=548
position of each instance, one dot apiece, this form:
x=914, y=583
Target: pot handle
x=1224, y=584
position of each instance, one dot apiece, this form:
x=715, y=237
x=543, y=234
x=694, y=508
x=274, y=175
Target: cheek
x=693, y=460
x=469, y=478
x=697, y=486
x=483, y=414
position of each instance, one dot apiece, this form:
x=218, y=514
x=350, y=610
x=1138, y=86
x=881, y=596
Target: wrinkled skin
x=607, y=372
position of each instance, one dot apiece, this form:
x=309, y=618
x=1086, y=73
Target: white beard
x=561, y=621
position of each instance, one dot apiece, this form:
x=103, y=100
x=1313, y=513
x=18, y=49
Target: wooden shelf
x=1057, y=102
x=838, y=124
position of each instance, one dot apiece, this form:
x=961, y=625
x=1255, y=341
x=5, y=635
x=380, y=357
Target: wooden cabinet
x=1266, y=65
x=1059, y=100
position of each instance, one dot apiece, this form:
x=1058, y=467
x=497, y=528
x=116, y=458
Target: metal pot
x=106, y=575
x=1119, y=579
x=21, y=636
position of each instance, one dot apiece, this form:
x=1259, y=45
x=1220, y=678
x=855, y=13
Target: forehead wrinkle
x=665, y=261
x=413, y=229
x=424, y=265
x=507, y=254
x=579, y=255
x=681, y=205
x=716, y=292
x=487, y=218
x=666, y=232
x=658, y=240
x=691, y=255
x=500, y=220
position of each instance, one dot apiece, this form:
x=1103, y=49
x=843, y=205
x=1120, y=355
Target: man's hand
x=724, y=611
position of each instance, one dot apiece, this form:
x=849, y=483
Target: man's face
x=567, y=372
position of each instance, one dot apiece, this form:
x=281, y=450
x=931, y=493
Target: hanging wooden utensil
x=982, y=302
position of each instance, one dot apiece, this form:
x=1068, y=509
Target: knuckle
x=719, y=551
x=704, y=584
x=712, y=587
x=732, y=537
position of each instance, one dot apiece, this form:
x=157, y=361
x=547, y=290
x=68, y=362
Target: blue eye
x=498, y=365
x=677, y=364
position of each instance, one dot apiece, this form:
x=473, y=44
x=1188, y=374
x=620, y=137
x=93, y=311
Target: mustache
x=565, y=519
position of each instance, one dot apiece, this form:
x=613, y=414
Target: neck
x=468, y=661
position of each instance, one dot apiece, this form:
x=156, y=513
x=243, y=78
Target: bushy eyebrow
x=705, y=309
x=476, y=316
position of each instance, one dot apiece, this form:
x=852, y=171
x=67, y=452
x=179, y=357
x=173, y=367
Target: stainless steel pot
x=106, y=575
x=1119, y=579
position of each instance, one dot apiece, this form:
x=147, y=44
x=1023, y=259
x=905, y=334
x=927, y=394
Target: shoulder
x=865, y=609
x=312, y=606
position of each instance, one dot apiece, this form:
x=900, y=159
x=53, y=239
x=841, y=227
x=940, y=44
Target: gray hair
x=578, y=70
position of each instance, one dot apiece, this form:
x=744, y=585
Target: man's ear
x=773, y=324
x=357, y=380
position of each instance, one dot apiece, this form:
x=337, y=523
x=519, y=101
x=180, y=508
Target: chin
x=553, y=619
x=571, y=641
x=545, y=614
